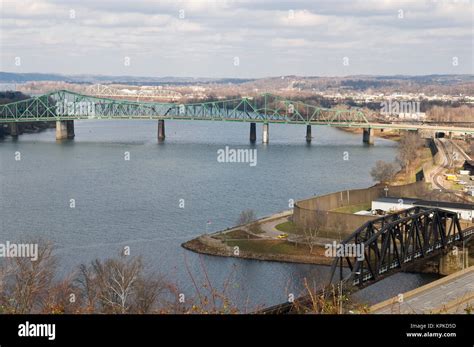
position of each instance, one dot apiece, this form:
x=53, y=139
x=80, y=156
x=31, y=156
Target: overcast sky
x=238, y=38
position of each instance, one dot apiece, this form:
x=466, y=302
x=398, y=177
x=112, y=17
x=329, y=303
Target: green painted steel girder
x=66, y=105
x=267, y=108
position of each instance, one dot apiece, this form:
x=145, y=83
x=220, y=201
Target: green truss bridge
x=64, y=107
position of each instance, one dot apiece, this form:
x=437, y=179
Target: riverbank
x=27, y=128
x=264, y=250
x=387, y=134
x=264, y=243
x=279, y=239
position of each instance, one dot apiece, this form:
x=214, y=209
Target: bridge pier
x=14, y=131
x=61, y=130
x=253, y=132
x=308, y=133
x=161, y=130
x=368, y=136
x=265, y=134
x=455, y=260
x=70, y=129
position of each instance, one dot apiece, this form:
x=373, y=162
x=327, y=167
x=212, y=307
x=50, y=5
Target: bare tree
x=246, y=217
x=410, y=143
x=119, y=286
x=450, y=114
x=311, y=233
x=148, y=291
x=26, y=282
x=383, y=172
x=249, y=217
x=340, y=226
x=63, y=297
x=310, y=237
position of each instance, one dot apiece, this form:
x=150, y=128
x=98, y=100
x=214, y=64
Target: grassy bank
x=261, y=249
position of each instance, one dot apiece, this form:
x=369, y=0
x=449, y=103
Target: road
x=450, y=294
x=452, y=156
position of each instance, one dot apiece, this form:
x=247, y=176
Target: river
x=138, y=202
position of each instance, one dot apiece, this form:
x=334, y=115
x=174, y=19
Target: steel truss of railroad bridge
x=393, y=242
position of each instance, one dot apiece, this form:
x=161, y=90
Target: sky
x=237, y=38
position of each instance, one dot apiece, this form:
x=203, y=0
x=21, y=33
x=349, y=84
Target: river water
x=138, y=202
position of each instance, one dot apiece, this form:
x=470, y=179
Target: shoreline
x=216, y=244
x=206, y=244
x=387, y=134
x=209, y=245
x=198, y=246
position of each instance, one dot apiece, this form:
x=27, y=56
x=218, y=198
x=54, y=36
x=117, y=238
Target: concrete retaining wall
x=316, y=211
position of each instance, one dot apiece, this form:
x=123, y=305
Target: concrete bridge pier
x=253, y=132
x=308, y=133
x=265, y=134
x=61, y=130
x=455, y=260
x=368, y=136
x=70, y=129
x=14, y=131
x=161, y=130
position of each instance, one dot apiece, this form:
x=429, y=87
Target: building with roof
x=393, y=204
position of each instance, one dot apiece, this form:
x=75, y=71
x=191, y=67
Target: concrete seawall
x=317, y=211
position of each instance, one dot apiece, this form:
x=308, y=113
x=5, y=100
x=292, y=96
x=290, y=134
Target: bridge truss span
x=393, y=242
x=66, y=105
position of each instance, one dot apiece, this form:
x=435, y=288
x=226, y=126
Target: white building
x=391, y=204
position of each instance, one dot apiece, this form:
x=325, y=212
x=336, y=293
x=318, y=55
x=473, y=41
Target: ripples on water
x=136, y=203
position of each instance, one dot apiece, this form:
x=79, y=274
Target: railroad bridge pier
x=453, y=260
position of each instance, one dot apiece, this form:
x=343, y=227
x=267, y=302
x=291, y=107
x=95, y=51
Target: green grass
x=291, y=228
x=353, y=208
x=287, y=227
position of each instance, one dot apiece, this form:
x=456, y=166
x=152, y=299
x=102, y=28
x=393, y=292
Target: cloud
x=201, y=38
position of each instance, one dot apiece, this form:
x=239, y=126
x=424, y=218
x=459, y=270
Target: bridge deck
x=64, y=105
x=449, y=294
